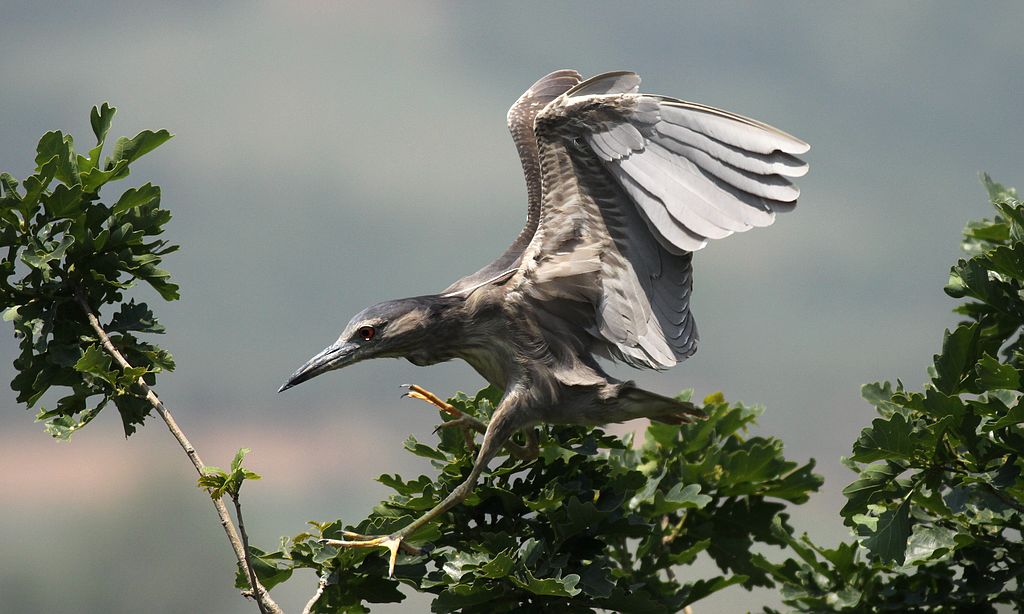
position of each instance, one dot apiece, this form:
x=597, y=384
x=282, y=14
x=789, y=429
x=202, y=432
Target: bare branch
x=262, y=597
x=316, y=596
x=254, y=584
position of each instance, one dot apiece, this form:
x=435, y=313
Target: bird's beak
x=333, y=357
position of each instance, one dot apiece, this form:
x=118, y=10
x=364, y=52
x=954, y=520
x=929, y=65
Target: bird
x=622, y=188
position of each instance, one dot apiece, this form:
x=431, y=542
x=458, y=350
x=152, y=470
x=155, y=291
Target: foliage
x=219, y=482
x=591, y=523
x=62, y=242
x=938, y=504
x=594, y=522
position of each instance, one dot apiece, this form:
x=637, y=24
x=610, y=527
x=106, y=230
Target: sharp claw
x=392, y=545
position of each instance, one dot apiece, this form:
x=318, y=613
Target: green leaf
x=129, y=150
x=129, y=377
x=872, y=486
x=886, y=440
x=997, y=192
x=101, y=118
x=992, y=232
x=64, y=201
x=41, y=259
x=236, y=462
x=157, y=278
x=876, y=393
x=888, y=541
x=271, y=569
x=57, y=145
x=1015, y=415
x=137, y=197
x=956, y=358
x=133, y=411
x=9, y=187
x=928, y=543
x=689, y=555
x=554, y=587
x=499, y=566
x=96, y=362
x=134, y=317
x=680, y=497
x=993, y=375
x=797, y=485
x=1008, y=261
x=702, y=588
x=938, y=405
x=423, y=450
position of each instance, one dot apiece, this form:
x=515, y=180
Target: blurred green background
x=333, y=154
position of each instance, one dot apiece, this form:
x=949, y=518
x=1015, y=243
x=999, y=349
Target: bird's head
x=401, y=328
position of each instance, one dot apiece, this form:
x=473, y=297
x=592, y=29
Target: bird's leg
x=460, y=420
x=497, y=433
x=466, y=423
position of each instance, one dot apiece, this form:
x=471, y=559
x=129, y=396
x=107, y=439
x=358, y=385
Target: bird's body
x=622, y=188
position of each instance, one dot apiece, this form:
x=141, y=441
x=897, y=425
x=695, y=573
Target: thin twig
x=316, y=596
x=254, y=584
x=222, y=511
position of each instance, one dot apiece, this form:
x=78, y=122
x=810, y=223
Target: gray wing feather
x=631, y=185
x=617, y=82
x=764, y=164
x=730, y=128
x=520, y=120
x=673, y=235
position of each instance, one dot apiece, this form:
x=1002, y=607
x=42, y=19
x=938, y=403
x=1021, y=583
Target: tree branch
x=316, y=596
x=253, y=582
x=262, y=597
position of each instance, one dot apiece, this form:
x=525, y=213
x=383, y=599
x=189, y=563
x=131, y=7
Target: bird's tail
x=661, y=408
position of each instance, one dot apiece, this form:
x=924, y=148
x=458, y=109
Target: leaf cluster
x=593, y=523
x=938, y=504
x=219, y=482
x=62, y=244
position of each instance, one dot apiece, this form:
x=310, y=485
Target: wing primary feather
x=672, y=235
x=690, y=209
x=773, y=187
x=731, y=128
x=764, y=164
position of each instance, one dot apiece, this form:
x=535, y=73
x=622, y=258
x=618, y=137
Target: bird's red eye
x=366, y=333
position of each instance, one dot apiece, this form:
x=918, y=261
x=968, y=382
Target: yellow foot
x=392, y=542
x=466, y=423
x=416, y=392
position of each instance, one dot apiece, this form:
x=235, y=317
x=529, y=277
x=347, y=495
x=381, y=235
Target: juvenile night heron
x=623, y=188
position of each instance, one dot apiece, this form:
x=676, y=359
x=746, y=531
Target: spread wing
x=520, y=123
x=632, y=184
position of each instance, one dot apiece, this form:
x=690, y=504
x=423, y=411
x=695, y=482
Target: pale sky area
x=329, y=155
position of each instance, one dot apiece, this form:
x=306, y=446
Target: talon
x=417, y=392
x=467, y=424
x=391, y=542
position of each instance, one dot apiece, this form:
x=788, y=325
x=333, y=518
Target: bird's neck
x=471, y=330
